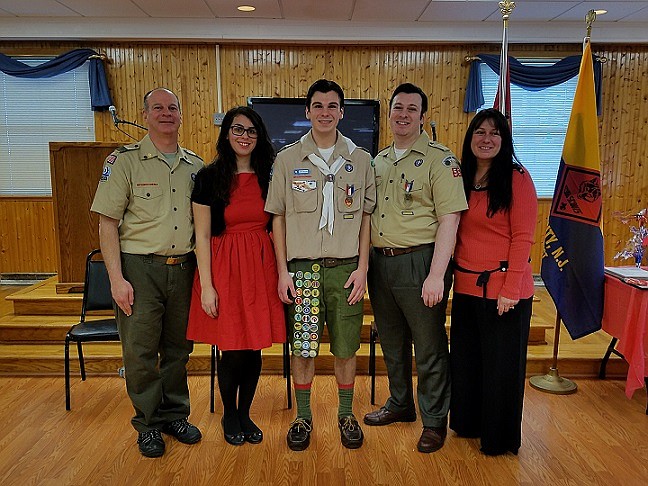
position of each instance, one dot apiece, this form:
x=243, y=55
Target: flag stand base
x=552, y=382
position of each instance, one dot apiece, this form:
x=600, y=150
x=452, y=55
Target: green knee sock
x=345, y=395
x=302, y=397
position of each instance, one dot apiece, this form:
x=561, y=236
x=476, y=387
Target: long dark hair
x=500, y=174
x=224, y=164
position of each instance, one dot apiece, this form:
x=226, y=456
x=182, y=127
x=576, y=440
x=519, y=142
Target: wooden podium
x=75, y=169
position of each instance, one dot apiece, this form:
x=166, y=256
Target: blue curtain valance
x=99, y=92
x=531, y=78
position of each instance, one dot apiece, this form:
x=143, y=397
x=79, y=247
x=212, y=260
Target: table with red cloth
x=625, y=318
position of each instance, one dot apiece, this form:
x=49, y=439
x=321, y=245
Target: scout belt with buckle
x=390, y=252
x=170, y=260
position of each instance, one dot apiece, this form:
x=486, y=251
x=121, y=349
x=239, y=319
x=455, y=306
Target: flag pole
x=552, y=382
x=503, y=102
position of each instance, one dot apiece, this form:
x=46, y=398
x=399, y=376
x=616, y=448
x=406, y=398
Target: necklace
x=480, y=183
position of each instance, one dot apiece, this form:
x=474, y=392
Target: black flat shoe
x=253, y=437
x=233, y=439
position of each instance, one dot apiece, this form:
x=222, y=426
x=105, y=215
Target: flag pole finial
x=590, y=18
x=506, y=7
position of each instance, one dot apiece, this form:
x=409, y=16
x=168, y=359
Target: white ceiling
x=329, y=21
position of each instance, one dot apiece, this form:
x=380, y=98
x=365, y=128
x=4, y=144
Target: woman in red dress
x=235, y=304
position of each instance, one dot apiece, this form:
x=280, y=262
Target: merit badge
x=307, y=310
x=298, y=335
x=298, y=325
x=298, y=291
x=314, y=320
x=298, y=301
x=306, y=319
x=316, y=276
x=306, y=327
x=305, y=353
x=307, y=301
x=314, y=345
x=298, y=308
x=306, y=345
x=299, y=283
x=315, y=310
x=418, y=162
x=307, y=275
x=297, y=345
x=314, y=327
x=299, y=274
x=315, y=285
x=312, y=353
x=315, y=301
x=315, y=292
x=305, y=336
x=297, y=352
x=308, y=284
x=348, y=167
x=313, y=337
x=316, y=267
x=307, y=292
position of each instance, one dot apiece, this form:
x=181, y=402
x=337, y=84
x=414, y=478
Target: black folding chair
x=96, y=296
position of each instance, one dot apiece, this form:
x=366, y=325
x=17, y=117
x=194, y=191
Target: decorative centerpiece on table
x=636, y=245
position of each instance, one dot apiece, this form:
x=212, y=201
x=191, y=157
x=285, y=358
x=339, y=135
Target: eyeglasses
x=239, y=130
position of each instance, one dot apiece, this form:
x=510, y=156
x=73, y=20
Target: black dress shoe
x=150, y=443
x=253, y=437
x=432, y=439
x=235, y=439
x=383, y=416
x=350, y=432
x=182, y=430
x=298, y=437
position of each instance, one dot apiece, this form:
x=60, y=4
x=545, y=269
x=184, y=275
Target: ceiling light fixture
x=246, y=8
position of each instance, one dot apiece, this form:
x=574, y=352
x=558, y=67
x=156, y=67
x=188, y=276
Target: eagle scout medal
x=350, y=190
x=408, y=186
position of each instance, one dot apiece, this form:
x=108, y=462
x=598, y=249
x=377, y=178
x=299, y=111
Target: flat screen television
x=286, y=120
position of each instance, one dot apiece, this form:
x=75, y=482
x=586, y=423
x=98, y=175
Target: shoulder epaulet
x=363, y=149
x=190, y=152
x=288, y=146
x=128, y=148
x=437, y=145
x=383, y=151
x=518, y=167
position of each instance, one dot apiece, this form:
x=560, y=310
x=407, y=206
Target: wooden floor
x=594, y=437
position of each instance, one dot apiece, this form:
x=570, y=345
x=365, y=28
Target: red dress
x=244, y=273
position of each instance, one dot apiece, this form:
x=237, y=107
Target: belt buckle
x=389, y=252
x=328, y=262
x=172, y=260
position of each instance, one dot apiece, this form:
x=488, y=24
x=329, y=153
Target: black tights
x=238, y=374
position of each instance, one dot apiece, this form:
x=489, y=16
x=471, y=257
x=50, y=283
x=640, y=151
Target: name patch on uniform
x=304, y=186
x=301, y=172
x=111, y=159
x=407, y=213
x=418, y=162
x=146, y=184
x=105, y=174
x=347, y=216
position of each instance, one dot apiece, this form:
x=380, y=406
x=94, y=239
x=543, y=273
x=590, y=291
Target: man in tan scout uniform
x=413, y=230
x=146, y=233
x=321, y=194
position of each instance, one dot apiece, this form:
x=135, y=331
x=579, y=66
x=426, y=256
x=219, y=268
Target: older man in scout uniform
x=146, y=233
x=321, y=194
x=413, y=230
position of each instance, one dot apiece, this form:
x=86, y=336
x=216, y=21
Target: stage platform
x=35, y=319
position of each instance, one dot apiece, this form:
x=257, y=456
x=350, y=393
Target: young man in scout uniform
x=413, y=230
x=321, y=194
x=146, y=234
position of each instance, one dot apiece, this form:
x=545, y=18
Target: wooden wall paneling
x=27, y=239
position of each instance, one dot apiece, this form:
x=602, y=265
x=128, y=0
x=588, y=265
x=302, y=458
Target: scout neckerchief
x=328, y=212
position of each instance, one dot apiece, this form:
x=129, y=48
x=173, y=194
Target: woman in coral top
x=235, y=303
x=493, y=288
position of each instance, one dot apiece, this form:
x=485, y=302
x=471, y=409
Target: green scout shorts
x=321, y=297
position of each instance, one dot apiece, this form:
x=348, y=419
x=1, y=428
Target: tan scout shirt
x=152, y=200
x=296, y=192
x=413, y=192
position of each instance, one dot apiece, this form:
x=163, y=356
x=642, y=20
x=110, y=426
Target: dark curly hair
x=500, y=174
x=224, y=164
